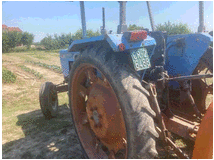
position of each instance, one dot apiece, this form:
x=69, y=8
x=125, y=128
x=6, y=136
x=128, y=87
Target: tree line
x=64, y=40
x=12, y=39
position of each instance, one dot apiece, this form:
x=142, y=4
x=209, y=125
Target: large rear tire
x=48, y=100
x=109, y=106
x=202, y=89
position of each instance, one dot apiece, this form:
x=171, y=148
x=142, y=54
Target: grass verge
x=52, y=67
x=35, y=73
x=8, y=76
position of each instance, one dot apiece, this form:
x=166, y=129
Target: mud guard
x=204, y=141
x=184, y=52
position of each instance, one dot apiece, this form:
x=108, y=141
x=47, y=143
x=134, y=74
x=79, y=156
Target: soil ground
x=25, y=131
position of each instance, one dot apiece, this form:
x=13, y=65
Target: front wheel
x=48, y=100
x=110, y=109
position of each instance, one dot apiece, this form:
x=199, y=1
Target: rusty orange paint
x=204, y=140
x=96, y=113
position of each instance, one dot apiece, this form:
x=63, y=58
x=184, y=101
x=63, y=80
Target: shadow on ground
x=55, y=138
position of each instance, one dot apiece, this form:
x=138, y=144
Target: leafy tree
x=47, y=42
x=14, y=38
x=173, y=28
x=5, y=42
x=11, y=39
x=64, y=40
x=89, y=33
x=56, y=42
x=133, y=27
x=27, y=39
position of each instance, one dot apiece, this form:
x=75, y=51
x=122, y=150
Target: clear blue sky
x=49, y=17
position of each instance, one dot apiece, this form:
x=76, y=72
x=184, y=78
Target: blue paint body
x=180, y=60
x=183, y=60
x=66, y=58
x=114, y=40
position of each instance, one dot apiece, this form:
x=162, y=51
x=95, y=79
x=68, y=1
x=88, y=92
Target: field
x=25, y=132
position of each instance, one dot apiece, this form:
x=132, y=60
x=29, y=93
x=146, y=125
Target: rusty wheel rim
x=97, y=114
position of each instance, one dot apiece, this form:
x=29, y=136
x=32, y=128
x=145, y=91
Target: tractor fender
x=185, y=51
x=67, y=59
x=203, y=148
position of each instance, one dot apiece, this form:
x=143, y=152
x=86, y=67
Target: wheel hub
x=97, y=113
x=95, y=117
x=104, y=114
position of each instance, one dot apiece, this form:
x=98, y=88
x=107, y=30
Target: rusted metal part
x=156, y=108
x=177, y=150
x=111, y=155
x=163, y=128
x=186, y=97
x=106, y=118
x=204, y=141
x=62, y=88
x=97, y=114
x=200, y=87
x=199, y=93
x=181, y=127
x=181, y=78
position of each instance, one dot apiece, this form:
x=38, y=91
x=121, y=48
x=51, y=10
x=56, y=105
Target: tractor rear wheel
x=109, y=107
x=48, y=100
x=202, y=89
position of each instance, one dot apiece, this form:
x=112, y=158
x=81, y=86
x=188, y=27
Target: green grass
x=52, y=67
x=10, y=116
x=35, y=73
x=62, y=98
x=38, y=55
x=12, y=105
x=53, y=51
x=21, y=49
x=8, y=76
x=32, y=53
x=22, y=116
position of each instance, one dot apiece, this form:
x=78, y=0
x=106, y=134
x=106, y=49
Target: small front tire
x=48, y=100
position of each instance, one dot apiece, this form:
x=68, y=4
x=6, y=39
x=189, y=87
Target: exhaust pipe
x=82, y=9
x=150, y=16
x=103, y=30
x=122, y=27
x=201, y=27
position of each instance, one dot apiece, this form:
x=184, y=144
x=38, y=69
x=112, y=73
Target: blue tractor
x=127, y=89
